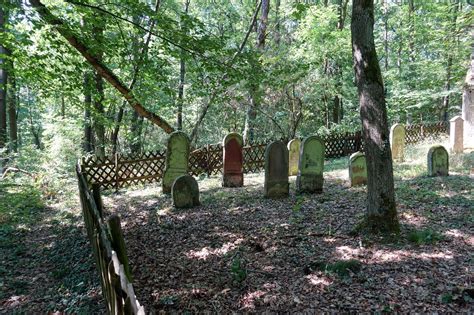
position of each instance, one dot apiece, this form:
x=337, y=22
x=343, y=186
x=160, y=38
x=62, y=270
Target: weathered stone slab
x=294, y=156
x=456, y=134
x=185, y=192
x=233, y=174
x=397, y=142
x=358, y=169
x=311, y=166
x=177, y=155
x=276, y=170
x=438, y=161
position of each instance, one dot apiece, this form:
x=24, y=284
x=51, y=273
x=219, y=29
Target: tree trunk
x=3, y=83
x=12, y=114
x=411, y=39
x=87, y=141
x=262, y=25
x=452, y=41
x=381, y=207
x=277, y=23
x=99, y=127
x=251, y=116
x=182, y=74
x=101, y=68
x=385, y=33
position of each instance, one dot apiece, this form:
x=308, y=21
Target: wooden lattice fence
x=109, y=252
x=419, y=132
x=124, y=170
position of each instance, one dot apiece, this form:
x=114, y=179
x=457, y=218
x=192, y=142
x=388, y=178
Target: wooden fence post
x=116, y=172
x=98, y=199
x=208, y=158
x=118, y=244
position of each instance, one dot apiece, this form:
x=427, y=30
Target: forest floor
x=240, y=252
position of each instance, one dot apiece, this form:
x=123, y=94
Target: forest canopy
x=280, y=68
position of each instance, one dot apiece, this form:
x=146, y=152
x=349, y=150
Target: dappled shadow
x=241, y=252
x=47, y=262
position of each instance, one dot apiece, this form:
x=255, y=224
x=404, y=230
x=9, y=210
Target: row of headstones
x=456, y=138
x=305, y=159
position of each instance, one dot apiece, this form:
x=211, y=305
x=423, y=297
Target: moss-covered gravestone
x=177, y=154
x=311, y=166
x=233, y=174
x=276, y=170
x=397, y=142
x=185, y=192
x=358, y=169
x=438, y=161
x=294, y=156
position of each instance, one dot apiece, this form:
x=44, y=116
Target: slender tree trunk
x=262, y=25
x=449, y=64
x=98, y=99
x=33, y=130
x=385, y=33
x=338, y=102
x=182, y=74
x=411, y=39
x=87, y=141
x=3, y=83
x=277, y=23
x=12, y=113
x=381, y=207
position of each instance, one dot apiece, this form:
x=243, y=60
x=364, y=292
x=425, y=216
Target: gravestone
x=233, y=175
x=456, y=143
x=438, y=161
x=468, y=105
x=185, y=192
x=177, y=154
x=358, y=169
x=276, y=170
x=311, y=166
x=294, y=156
x=397, y=142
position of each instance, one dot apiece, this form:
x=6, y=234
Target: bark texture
x=381, y=207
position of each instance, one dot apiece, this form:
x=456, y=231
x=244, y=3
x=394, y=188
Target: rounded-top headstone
x=311, y=165
x=177, y=154
x=397, y=142
x=276, y=170
x=185, y=192
x=294, y=156
x=233, y=175
x=358, y=169
x=438, y=161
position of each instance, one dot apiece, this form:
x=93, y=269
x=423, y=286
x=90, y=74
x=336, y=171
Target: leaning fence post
x=118, y=244
x=98, y=199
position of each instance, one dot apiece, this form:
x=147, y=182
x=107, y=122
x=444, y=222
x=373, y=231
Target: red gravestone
x=233, y=161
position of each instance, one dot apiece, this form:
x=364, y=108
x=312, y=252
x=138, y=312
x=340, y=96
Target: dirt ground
x=240, y=252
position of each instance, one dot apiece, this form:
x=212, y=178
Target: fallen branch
x=100, y=67
x=14, y=170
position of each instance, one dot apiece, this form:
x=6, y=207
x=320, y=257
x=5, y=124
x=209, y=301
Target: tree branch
x=101, y=68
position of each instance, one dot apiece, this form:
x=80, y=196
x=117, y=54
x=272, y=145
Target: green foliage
x=424, y=236
x=238, y=269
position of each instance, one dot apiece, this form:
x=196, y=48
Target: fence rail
x=124, y=170
x=109, y=252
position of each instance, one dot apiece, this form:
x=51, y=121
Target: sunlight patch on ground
x=413, y=219
x=318, y=280
x=206, y=252
x=383, y=256
x=347, y=252
x=469, y=239
x=249, y=299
